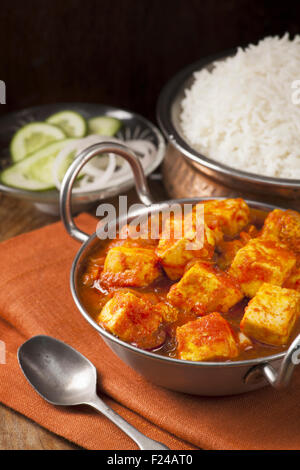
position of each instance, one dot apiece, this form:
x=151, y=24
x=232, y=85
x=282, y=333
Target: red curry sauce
x=93, y=296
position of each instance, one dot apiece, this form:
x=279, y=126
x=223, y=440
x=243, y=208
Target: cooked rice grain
x=241, y=113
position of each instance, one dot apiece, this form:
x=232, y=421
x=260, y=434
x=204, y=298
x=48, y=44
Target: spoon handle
x=140, y=439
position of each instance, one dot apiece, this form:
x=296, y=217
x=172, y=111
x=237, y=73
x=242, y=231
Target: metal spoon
x=63, y=376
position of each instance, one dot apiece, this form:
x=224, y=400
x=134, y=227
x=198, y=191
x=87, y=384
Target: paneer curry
x=234, y=296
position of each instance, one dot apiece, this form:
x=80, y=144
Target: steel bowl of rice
x=236, y=116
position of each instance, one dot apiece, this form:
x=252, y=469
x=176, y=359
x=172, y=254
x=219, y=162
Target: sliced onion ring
x=105, y=170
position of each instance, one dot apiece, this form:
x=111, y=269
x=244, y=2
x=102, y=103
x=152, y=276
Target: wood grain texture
x=19, y=433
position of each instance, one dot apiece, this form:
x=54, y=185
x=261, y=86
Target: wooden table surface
x=16, y=217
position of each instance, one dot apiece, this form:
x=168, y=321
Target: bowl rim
x=166, y=99
x=110, y=110
x=157, y=356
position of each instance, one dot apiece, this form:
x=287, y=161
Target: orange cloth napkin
x=35, y=299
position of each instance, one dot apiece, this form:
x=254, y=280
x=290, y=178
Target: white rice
x=242, y=113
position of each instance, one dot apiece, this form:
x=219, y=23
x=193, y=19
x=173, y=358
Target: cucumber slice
x=64, y=165
x=104, y=125
x=34, y=173
x=32, y=137
x=71, y=123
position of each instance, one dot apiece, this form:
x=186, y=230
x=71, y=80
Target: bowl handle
x=281, y=378
x=70, y=176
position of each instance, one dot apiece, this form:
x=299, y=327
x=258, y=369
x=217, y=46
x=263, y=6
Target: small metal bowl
x=168, y=115
x=134, y=127
x=198, y=378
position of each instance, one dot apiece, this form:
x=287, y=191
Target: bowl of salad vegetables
x=37, y=146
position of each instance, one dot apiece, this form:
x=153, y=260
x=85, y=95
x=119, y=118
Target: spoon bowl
x=63, y=376
x=59, y=373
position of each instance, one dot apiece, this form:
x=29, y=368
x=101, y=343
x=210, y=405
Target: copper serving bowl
x=168, y=115
x=200, y=378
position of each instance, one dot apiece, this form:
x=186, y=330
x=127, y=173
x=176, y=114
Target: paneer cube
x=167, y=311
x=210, y=220
x=261, y=261
x=231, y=214
x=135, y=267
x=181, y=241
x=138, y=236
x=228, y=251
x=283, y=226
x=271, y=314
x=133, y=319
x=206, y=339
x=293, y=281
x=204, y=289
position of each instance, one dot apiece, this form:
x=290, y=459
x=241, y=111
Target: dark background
x=121, y=52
